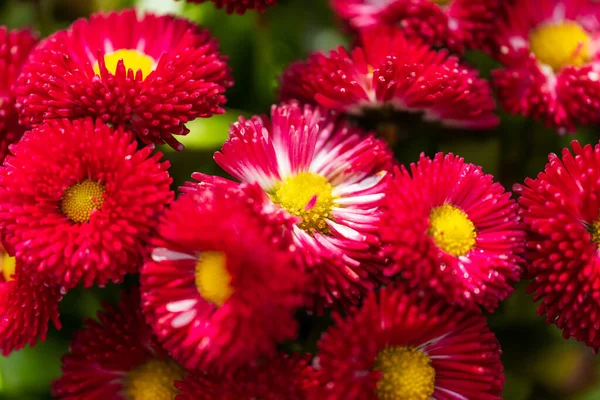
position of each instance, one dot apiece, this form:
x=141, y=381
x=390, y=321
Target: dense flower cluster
x=458, y=24
x=155, y=76
x=560, y=210
x=79, y=201
x=389, y=73
x=321, y=215
x=26, y=307
x=117, y=356
x=14, y=50
x=450, y=228
x=402, y=345
x=550, y=61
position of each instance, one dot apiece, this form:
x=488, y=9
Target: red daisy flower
x=332, y=177
x=281, y=378
x=551, y=63
x=451, y=229
x=457, y=24
x=560, y=210
x=391, y=73
x=220, y=290
x=78, y=201
x=403, y=345
x=25, y=307
x=240, y=6
x=151, y=73
x=14, y=50
x=116, y=357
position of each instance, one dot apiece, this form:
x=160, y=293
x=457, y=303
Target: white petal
x=180, y=306
x=183, y=319
x=161, y=254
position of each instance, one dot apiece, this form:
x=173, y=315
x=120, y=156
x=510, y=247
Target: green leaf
x=31, y=370
x=207, y=133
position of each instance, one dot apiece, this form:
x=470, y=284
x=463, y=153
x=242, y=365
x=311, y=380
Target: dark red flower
x=26, y=307
x=451, y=229
x=281, y=378
x=391, y=73
x=150, y=73
x=561, y=212
x=551, y=61
x=457, y=24
x=116, y=357
x=221, y=289
x=14, y=49
x=406, y=345
x=79, y=202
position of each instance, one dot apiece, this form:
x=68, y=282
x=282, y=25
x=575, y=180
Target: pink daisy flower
x=220, y=290
x=551, y=63
x=26, y=307
x=457, y=24
x=240, y=6
x=79, y=202
x=116, y=357
x=329, y=175
x=150, y=73
x=281, y=378
x=560, y=210
x=389, y=73
x=15, y=46
x=404, y=345
x=451, y=229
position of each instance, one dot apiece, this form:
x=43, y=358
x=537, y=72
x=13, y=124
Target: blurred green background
x=539, y=364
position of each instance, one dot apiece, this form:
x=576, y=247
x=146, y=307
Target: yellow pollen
x=133, y=59
x=308, y=196
x=407, y=374
x=452, y=230
x=212, y=278
x=153, y=380
x=80, y=200
x=442, y=2
x=8, y=266
x=594, y=230
x=560, y=45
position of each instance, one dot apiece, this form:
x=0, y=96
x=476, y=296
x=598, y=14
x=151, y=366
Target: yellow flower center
x=80, y=200
x=407, y=374
x=212, y=278
x=8, y=266
x=308, y=196
x=452, y=230
x=560, y=45
x=153, y=380
x=594, y=230
x=133, y=59
x=442, y=2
